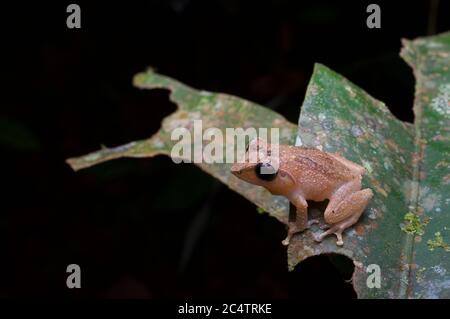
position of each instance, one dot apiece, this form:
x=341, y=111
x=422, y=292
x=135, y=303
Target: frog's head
x=260, y=167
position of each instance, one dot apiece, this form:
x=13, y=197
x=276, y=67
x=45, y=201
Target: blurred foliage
x=16, y=135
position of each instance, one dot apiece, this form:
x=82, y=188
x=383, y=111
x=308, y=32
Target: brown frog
x=308, y=174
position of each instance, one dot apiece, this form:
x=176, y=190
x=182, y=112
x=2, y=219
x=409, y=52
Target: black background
x=147, y=227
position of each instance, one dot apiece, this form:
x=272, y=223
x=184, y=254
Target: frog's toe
x=293, y=228
x=286, y=242
x=333, y=230
x=339, y=241
x=320, y=237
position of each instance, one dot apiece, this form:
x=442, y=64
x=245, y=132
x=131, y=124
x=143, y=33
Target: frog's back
x=311, y=163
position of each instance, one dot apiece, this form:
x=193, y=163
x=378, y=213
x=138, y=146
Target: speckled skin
x=309, y=174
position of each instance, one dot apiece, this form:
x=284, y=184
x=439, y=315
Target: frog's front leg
x=301, y=218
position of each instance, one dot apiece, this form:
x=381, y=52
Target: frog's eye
x=265, y=171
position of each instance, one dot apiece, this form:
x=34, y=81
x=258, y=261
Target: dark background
x=148, y=227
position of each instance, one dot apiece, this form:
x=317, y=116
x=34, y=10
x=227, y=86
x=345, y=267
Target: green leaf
x=407, y=168
x=16, y=135
x=430, y=60
x=405, y=228
x=337, y=116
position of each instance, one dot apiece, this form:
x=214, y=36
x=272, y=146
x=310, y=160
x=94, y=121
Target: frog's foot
x=292, y=229
x=336, y=230
x=324, y=226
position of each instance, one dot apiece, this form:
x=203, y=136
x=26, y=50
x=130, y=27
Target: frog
x=304, y=174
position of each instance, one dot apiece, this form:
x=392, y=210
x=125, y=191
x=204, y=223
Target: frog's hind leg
x=343, y=214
